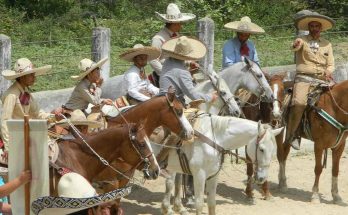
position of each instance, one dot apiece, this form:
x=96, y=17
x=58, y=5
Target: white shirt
x=133, y=84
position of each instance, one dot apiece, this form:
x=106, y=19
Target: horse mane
x=220, y=122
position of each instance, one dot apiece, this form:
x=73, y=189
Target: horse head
x=145, y=157
x=173, y=116
x=277, y=86
x=261, y=152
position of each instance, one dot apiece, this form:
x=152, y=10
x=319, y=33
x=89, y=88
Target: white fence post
x=205, y=29
x=101, y=48
x=5, y=61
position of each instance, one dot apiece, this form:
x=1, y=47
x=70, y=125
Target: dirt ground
x=231, y=199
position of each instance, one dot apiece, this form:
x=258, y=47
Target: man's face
x=175, y=27
x=243, y=36
x=140, y=60
x=314, y=28
x=28, y=80
x=94, y=76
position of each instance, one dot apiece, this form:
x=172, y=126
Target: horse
x=325, y=133
x=248, y=75
x=257, y=110
x=89, y=155
x=204, y=158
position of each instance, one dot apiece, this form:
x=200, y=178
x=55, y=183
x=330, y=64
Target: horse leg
x=265, y=191
x=178, y=206
x=166, y=206
x=282, y=154
x=249, y=188
x=199, y=183
x=336, y=156
x=211, y=185
x=318, y=169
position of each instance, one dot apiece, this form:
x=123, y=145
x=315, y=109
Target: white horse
x=248, y=75
x=204, y=161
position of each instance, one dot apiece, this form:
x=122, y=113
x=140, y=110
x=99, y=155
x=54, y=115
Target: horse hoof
x=338, y=200
x=251, y=200
x=315, y=199
x=268, y=197
x=283, y=189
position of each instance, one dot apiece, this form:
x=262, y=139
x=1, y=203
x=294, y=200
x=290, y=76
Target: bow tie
x=174, y=35
x=24, y=98
x=244, y=50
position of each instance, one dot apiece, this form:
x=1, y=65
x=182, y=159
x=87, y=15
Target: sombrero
x=23, y=66
x=184, y=48
x=79, y=118
x=139, y=49
x=174, y=15
x=245, y=26
x=75, y=194
x=86, y=66
x=303, y=21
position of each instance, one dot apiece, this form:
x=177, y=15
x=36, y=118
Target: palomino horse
x=325, y=134
x=248, y=75
x=89, y=155
x=268, y=113
x=205, y=156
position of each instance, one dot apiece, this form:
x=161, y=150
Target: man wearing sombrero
x=240, y=45
x=173, y=20
x=17, y=100
x=88, y=90
x=136, y=84
x=314, y=65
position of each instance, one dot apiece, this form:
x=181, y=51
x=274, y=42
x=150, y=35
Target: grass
x=65, y=56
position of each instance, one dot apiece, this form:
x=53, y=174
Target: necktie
x=174, y=35
x=24, y=98
x=142, y=74
x=244, y=50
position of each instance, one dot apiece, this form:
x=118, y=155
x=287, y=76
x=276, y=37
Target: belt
x=308, y=79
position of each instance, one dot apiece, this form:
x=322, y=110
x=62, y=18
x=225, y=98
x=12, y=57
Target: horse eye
x=261, y=150
x=179, y=112
x=259, y=75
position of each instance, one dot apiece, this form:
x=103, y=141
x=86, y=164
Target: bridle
x=263, y=90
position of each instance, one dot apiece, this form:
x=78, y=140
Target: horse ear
x=246, y=60
x=141, y=123
x=259, y=127
x=277, y=131
x=171, y=93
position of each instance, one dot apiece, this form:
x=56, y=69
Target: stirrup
x=295, y=144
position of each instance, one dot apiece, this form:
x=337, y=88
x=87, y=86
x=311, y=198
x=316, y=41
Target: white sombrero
x=303, y=21
x=79, y=118
x=174, y=15
x=86, y=66
x=245, y=26
x=75, y=194
x=23, y=66
x=139, y=49
x=184, y=48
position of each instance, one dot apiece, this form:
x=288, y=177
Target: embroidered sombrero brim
x=198, y=49
x=11, y=75
x=83, y=74
x=244, y=27
x=303, y=21
x=184, y=17
x=151, y=52
x=91, y=124
x=50, y=205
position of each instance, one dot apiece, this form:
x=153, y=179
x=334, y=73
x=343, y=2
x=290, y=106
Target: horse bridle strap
x=210, y=142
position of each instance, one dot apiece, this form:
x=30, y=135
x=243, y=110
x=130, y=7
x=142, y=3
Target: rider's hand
x=297, y=43
x=214, y=96
x=107, y=101
x=25, y=176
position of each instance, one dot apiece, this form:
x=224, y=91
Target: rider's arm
x=86, y=95
x=228, y=54
x=132, y=81
x=330, y=61
x=7, y=112
x=187, y=87
x=10, y=186
x=157, y=63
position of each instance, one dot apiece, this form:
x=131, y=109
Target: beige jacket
x=82, y=96
x=319, y=62
x=13, y=109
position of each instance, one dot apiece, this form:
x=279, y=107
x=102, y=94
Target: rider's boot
x=294, y=120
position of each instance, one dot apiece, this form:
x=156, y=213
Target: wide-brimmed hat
x=245, y=26
x=303, y=21
x=174, y=15
x=23, y=66
x=184, y=48
x=79, y=118
x=138, y=49
x=75, y=194
x=86, y=66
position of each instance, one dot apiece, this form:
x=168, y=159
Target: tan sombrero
x=184, y=48
x=75, y=194
x=86, y=66
x=23, y=66
x=139, y=49
x=303, y=21
x=245, y=26
x=174, y=15
x=79, y=118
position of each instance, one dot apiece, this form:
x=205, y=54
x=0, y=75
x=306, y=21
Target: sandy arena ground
x=231, y=198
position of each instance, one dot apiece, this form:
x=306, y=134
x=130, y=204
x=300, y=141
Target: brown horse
x=268, y=113
x=332, y=101
x=89, y=155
